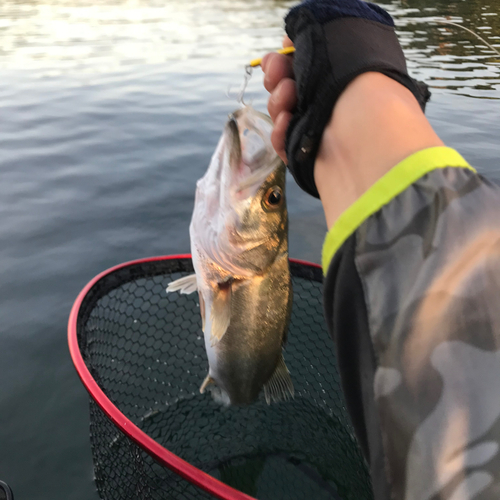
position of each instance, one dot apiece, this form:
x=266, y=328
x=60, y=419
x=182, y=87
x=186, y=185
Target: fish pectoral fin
x=220, y=314
x=185, y=285
x=208, y=380
x=279, y=387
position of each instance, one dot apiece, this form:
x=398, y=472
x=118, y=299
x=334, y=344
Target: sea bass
x=239, y=246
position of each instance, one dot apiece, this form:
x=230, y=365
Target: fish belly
x=248, y=353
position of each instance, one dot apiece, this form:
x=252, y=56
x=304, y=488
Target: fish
x=239, y=248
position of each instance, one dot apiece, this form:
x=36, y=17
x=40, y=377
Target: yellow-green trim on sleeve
x=394, y=182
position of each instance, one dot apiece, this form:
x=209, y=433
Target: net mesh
x=145, y=350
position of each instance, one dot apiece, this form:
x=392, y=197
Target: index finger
x=276, y=67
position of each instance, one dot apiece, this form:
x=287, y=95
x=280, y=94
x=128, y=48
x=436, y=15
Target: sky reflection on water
x=110, y=113
x=64, y=36
x=54, y=37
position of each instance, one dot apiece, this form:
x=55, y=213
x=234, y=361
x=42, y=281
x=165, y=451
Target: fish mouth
x=251, y=155
x=234, y=142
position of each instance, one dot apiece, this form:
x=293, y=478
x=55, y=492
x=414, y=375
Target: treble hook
x=241, y=92
x=248, y=74
x=246, y=79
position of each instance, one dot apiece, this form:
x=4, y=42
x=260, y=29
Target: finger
x=276, y=67
x=287, y=42
x=263, y=63
x=283, y=98
x=279, y=133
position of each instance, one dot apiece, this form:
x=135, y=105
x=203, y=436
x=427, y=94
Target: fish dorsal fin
x=279, y=387
x=185, y=285
x=220, y=315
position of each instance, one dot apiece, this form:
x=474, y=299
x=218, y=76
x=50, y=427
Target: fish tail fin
x=280, y=386
x=185, y=285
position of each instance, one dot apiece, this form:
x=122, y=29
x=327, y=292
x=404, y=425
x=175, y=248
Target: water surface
x=109, y=114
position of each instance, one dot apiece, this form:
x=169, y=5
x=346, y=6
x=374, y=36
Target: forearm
x=375, y=124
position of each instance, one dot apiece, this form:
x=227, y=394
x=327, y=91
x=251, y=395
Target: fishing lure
x=257, y=62
x=249, y=70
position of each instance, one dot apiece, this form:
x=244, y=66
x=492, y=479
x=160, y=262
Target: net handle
x=126, y=426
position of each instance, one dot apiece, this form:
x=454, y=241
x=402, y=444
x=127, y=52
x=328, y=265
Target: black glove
x=336, y=41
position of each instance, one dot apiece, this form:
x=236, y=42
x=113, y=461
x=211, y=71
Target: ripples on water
x=109, y=113
x=446, y=56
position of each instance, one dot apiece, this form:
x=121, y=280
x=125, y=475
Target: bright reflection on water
x=110, y=111
x=61, y=35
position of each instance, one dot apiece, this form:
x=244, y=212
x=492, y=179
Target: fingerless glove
x=336, y=41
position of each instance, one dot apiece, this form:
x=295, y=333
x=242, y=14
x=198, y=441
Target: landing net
x=140, y=353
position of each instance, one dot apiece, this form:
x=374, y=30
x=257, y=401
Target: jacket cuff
x=393, y=183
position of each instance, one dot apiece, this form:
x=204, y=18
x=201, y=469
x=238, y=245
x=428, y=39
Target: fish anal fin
x=280, y=386
x=185, y=285
x=220, y=314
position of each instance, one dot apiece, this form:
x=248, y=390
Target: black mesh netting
x=145, y=349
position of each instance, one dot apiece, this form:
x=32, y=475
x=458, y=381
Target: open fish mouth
x=251, y=152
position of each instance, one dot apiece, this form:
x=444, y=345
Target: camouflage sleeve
x=412, y=299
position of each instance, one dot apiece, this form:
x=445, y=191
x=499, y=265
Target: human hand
x=279, y=81
x=335, y=41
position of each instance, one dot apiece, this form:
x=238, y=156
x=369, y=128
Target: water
x=109, y=113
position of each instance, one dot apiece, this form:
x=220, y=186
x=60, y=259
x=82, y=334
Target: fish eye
x=273, y=198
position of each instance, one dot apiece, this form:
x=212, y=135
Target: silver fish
x=239, y=245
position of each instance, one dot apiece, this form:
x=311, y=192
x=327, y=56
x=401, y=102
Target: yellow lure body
x=287, y=50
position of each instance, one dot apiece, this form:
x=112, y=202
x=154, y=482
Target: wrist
x=376, y=123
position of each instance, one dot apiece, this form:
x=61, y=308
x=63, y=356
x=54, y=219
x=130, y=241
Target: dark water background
x=109, y=112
